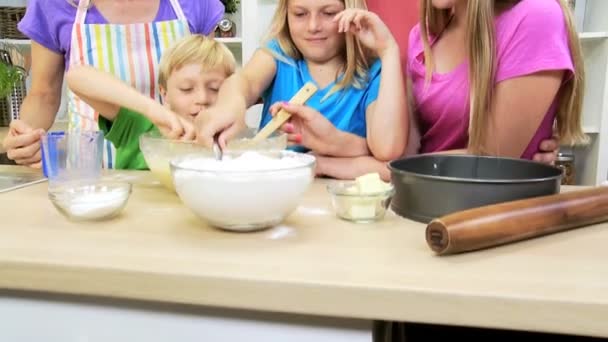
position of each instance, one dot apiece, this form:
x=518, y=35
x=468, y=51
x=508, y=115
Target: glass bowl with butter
x=363, y=200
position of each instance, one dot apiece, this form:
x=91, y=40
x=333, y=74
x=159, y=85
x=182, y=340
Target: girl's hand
x=220, y=121
x=371, y=31
x=548, y=151
x=307, y=127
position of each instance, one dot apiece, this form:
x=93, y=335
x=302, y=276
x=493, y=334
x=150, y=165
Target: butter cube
x=371, y=184
x=362, y=209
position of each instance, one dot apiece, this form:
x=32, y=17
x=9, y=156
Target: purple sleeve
x=42, y=23
x=532, y=39
x=203, y=15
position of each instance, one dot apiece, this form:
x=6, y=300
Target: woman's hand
x=22, y=144
x=548, y=151
x=371, y=31
x=307, y=127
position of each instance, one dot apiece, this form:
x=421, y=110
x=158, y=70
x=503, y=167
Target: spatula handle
x=303, y=95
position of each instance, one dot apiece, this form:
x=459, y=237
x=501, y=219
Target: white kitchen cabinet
x=592, y=160
x=253, y=21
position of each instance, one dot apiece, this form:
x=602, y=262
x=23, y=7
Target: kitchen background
x=252, y=18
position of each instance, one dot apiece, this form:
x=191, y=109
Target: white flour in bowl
x=90, y=202
x=95, y=206
x=248, y=192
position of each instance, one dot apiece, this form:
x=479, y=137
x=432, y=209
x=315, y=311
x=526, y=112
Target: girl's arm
x=387, y=117
x=387, y=124
x=237, y=93
x=107, y=94
x=351, y=168
x=518, y=108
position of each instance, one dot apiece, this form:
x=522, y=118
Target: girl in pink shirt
x=492, y=77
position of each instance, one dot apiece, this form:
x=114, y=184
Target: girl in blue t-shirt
x=350, y=55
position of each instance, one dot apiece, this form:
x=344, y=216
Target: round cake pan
x=430, y=186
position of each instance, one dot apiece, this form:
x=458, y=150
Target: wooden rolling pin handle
x=518, y=220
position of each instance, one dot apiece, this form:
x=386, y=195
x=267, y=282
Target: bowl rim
x=332, y=188
x=124, y=187
x=396, y=171
x=308, y=162
x=157, y=135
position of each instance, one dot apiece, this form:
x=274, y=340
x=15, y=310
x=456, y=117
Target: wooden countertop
x=312, y=264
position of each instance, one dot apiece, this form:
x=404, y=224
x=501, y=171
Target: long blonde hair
x=358, y=58
x=481, y=53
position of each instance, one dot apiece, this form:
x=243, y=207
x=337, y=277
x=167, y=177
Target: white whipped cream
x=248, y=192
x=248, y=161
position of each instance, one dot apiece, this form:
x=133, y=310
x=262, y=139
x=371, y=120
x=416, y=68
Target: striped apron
x=130, y=52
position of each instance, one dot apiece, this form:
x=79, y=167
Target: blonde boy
x=190, y=75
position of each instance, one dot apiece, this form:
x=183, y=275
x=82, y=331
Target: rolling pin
x=507, y=222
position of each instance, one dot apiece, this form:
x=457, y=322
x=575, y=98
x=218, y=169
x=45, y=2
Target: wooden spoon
x=303, y=95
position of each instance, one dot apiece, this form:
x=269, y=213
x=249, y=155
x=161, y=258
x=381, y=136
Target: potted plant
x=9, y=76
x=231, y=6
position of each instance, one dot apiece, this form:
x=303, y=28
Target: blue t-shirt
x=345, y=108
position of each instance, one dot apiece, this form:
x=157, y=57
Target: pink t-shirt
x=531, y=37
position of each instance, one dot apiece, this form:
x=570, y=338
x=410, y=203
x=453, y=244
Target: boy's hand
x=170, y=124
x=371, y=31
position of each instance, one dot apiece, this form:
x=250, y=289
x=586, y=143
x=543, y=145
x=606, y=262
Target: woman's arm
x=40, y=105
x=107, y=94
x=38, y=109
x=237, y=93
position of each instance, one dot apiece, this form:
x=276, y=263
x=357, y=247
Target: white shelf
x=233, y=40
x=591, y=129
x=592, y=35
x=16, y=41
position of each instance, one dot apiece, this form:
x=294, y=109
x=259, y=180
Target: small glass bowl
x=352, y=206
x=90, y=202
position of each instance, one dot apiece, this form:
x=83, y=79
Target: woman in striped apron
x=126, y=39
